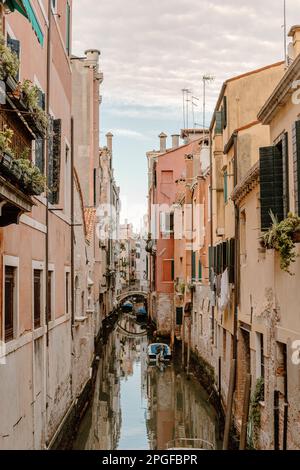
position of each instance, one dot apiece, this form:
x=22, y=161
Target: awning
x=25, y=8
x=16, y=5
x=33, y=20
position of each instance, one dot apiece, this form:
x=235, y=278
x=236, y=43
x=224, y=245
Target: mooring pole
x=229, y=405
x=247, y=393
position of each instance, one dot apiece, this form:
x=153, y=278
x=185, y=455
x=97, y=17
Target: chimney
x=295, y=35
x=92, y=55
x=175, y=141
x=109, y=139
x=163, y=142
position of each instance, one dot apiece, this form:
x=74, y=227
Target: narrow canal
x=138, y=406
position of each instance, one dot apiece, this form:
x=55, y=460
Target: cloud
x=151, y=50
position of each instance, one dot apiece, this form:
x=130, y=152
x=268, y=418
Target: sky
x=151, y=50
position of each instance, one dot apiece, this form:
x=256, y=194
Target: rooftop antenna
x=193, y=110
x=285, y=33
x=206, y=79
x=184, y=90
x=188, y=92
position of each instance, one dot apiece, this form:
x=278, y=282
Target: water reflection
x=136, y=406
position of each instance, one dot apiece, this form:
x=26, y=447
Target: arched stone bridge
x=129, y=294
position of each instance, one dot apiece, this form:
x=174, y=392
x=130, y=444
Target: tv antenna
x=205, y=79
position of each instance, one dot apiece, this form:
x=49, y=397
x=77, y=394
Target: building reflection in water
x=140, y=407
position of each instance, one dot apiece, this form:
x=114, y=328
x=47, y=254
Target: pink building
x=166, y=169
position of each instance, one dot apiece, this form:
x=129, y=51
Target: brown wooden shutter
x=37, y=298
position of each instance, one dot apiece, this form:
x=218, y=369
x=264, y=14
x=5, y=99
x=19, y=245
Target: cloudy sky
x=152, y=49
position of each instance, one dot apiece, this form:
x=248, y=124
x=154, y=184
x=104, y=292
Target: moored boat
x=159, y=352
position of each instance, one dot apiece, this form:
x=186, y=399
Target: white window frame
x=39, y=266
x=67, y=271
x=12, y=261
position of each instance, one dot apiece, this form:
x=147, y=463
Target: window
x=260, y=357
x=68, y=29
x=168, y=271
x=10, y=302
x=281, y=370
x=179, y=316
x=67, y=181
x=14, y=46
x=193, y=266
x=243, y=229
x=271, y=185
x=218, y=127
x=67, y=292
x=200, y=270
x=37, y=297
x=50, y=296
x=201, y=324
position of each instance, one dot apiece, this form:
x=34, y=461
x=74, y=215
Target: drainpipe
x=47, y=219
x=236, y=256
x=72, y=230
x=211, y=224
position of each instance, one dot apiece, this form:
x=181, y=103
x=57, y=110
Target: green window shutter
x=193, y=265
x=285, y=165
x=271, y=185
x=54, y=160
x=296, y=164
x=68, y=29
x=225, y=187
x=200, y=270
x=218, y=127
x=224, y=256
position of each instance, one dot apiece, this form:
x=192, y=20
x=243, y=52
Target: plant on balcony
x=282, y=237
x=9, y=62
x=34, y=179
x=180, y=287
x=6, y=136
x=30, y=93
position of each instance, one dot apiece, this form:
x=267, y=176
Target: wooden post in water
x=247, y=393
x=229, y=405
x=276, y=420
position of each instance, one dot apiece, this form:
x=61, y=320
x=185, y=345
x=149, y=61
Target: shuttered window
x=200, y=270
x=40, y=154
x=54, y=160
x=224, y=113
x=179, y=315
x=37, y=297
x=14, y=46
x=193, y=265
x=296, y=164
x=10, y=302
x=271, y=185
x=49, y=296
x=283, y=147
x=168, y=270
x=218, y=127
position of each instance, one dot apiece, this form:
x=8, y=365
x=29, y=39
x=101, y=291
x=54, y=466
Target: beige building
x=269, y=325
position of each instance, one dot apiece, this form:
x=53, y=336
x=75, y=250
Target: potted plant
x=9, y=62
x=6, y=136
x=34, y=180
x=30, y=94
x=282, y=237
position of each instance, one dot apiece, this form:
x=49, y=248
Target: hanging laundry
x=225, y=292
